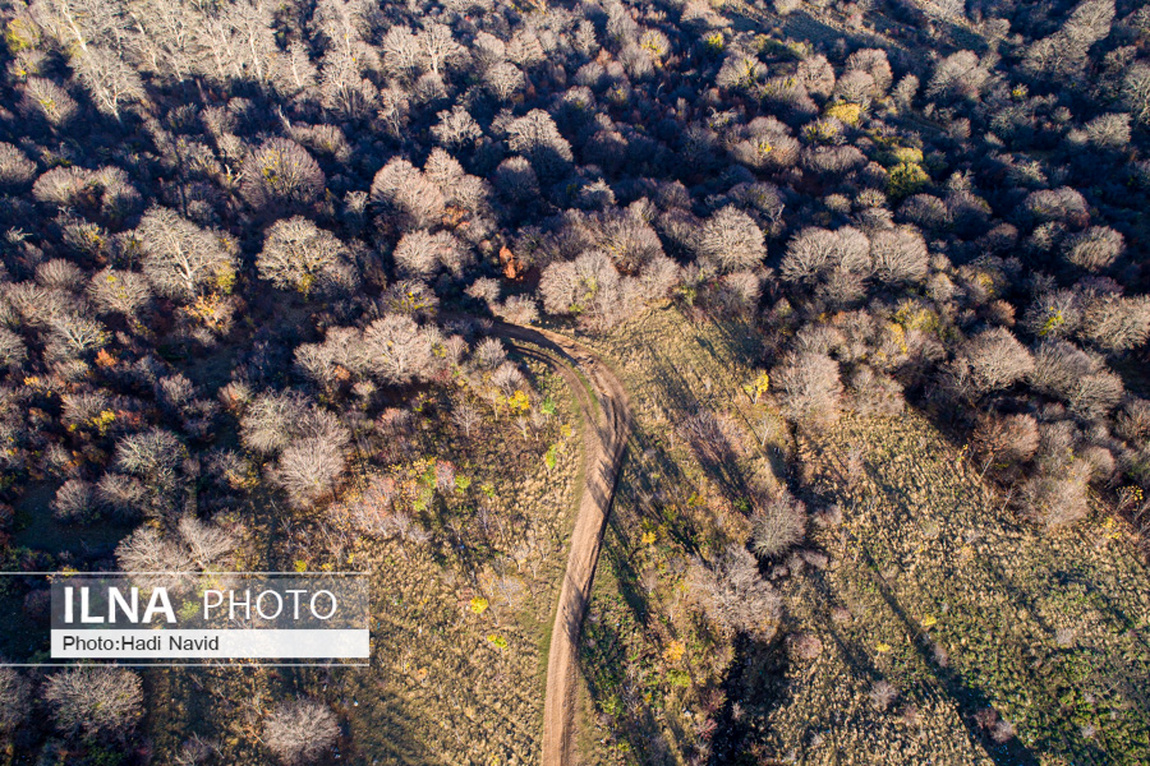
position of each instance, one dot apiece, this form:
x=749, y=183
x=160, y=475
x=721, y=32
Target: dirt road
x=608, y=419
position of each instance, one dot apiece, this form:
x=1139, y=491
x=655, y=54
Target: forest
x=873, y=275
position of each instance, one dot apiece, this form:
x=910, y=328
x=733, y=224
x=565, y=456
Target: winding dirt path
x=608, y=425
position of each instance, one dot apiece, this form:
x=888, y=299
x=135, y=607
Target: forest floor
x=923, y=622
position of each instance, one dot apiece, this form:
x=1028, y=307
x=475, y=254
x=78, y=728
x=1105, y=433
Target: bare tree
x=809, y=388
x=99, y=701
x=516, y=179
x=125, y=496
x=14, y=700
x=104, y=194
x=1062, y=204
x=299, y=255
x=960, y=75
x=208, y=545
x=16, y=170
x=309, y=468
x=270, y=421
x=467, y=418
x=989, y=361
x=899, y=256
x=438, y=47
x=46, y=99
x=1107, y=131
x=13, y=351
x=281, y=174
x=1005, y=443
x=456, y=127
x=1094, y=249
x=815, y=252
x=338, y=358
x=731, y=241
x=120, y=292
x=181, y=260
x=398, y=350
x=735, y=596
x=300, y=731
x=406, y=190
x=1117, y=323
x=778, y=524
x=75, y=334
x=111, y=81
x=1136, y=91
x=421, y=253
x=74, y=501
x=536, y=137
x=504, y=80
x=156, y=456
x=874, y=62
x=517, y=309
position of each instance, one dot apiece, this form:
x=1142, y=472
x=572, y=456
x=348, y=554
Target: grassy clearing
x=999, y=643
x=962, y=609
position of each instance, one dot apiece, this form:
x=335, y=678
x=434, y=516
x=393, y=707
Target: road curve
x=605, y=437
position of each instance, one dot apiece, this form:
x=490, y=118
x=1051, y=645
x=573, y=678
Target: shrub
x=882, y=695
x=1056, y=498
x=777, y=525
x=299, y=732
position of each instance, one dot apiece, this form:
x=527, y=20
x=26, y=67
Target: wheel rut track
x=604, y=441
